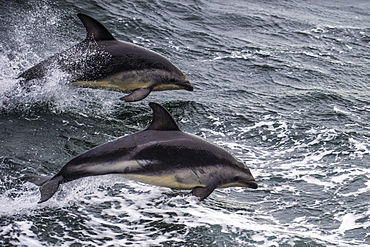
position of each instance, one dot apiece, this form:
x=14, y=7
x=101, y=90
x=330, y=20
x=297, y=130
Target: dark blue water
x=283, y=85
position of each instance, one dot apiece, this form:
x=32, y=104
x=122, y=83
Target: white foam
x=55, y=91
x=349, y=222
x=360, y=190
x=135, y=207
x=27, y=237
x=361, y=148
x=242, y=54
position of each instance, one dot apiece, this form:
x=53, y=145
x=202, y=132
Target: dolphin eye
x=236, y=178
x=172, y=80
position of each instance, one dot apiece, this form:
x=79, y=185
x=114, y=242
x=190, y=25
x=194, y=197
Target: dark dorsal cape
x=162, y=119
x=100, y=55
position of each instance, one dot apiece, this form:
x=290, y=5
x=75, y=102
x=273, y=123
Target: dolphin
x=101, y=61
x=160, y=155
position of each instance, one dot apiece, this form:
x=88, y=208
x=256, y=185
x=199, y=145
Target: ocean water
x=283, y=85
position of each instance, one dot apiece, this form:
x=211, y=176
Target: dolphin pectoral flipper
x=101, y=61
x=160, y=155
x=203, y=192
x=137, y=95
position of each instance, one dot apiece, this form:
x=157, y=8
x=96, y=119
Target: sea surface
x=283, y=85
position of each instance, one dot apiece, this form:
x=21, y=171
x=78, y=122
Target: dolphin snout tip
x=188, y=86
x=252, y=185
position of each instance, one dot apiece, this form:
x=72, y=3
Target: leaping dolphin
x=160, y=155
x=101, y=61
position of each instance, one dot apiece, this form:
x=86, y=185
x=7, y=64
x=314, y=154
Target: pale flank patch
x=232, y=185
x=114, y=167
x=164, y=181
x=164, y=87
x=124, y=86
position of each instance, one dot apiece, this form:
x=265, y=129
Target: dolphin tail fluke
x=202, y=192
x=49, y=188
x=48, y=185
x=137, y=95
x=37, y=180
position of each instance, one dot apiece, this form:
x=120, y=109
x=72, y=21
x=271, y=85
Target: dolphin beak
x=185, y=85
x=252, y=184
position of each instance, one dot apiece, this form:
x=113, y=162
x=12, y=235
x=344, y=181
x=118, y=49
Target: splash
x=28, y=43
x=122, y=212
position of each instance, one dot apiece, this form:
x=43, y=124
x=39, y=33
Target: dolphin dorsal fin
x=95, y=30
x=162, y=119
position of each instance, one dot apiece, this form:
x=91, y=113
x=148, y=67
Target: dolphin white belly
x=101, y=61
x=160, y=155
